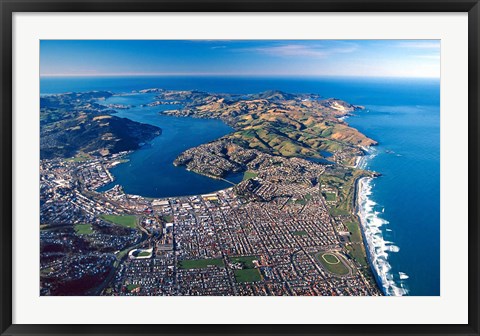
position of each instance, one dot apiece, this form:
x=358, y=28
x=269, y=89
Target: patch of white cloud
x=302, y=50
x=427, y=44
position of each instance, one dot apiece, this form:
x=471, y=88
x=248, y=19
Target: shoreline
x=357, y=205
x=373, y=238
x=360, y=163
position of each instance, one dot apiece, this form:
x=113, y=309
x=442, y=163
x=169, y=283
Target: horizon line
x=208, y=74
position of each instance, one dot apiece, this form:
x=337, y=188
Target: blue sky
x=365, y=58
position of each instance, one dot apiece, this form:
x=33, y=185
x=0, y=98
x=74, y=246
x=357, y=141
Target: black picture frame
x=8, y=7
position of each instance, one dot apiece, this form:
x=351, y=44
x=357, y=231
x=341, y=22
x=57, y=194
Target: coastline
x=360, y=162
x=368, y=253
x=376, y=247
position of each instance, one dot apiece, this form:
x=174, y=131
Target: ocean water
x=400, y=210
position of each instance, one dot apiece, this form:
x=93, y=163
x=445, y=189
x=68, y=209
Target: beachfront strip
x=265, y=236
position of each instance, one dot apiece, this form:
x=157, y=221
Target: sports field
x=83, y=229
x=201, y=263
x=128, y=221
x=330, y=197
x=249, y=175
x=247, y=275
x=332, y=263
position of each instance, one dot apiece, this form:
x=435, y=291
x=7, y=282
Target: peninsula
x=74, y=123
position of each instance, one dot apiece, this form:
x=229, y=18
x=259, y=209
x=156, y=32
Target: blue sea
x=400, y=210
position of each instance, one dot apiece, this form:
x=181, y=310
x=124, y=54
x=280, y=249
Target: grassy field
x=132, y=287
x=167, y=218
x=143, y=254
x=332, y=263
x=304, y=200
x=357, y=252
x=245, y=261
x=339, y=212
x=128, y=221
x=331, y=259
x=354, y=229
x=201, y=263
x=249, y=175
x=83, y=229
x=330, y=197
x=299, y=233
x=247, y=275
x=80, y=157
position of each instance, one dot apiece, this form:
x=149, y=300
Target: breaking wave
x=378, y=248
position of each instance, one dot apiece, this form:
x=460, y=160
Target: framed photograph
x=239, y=167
